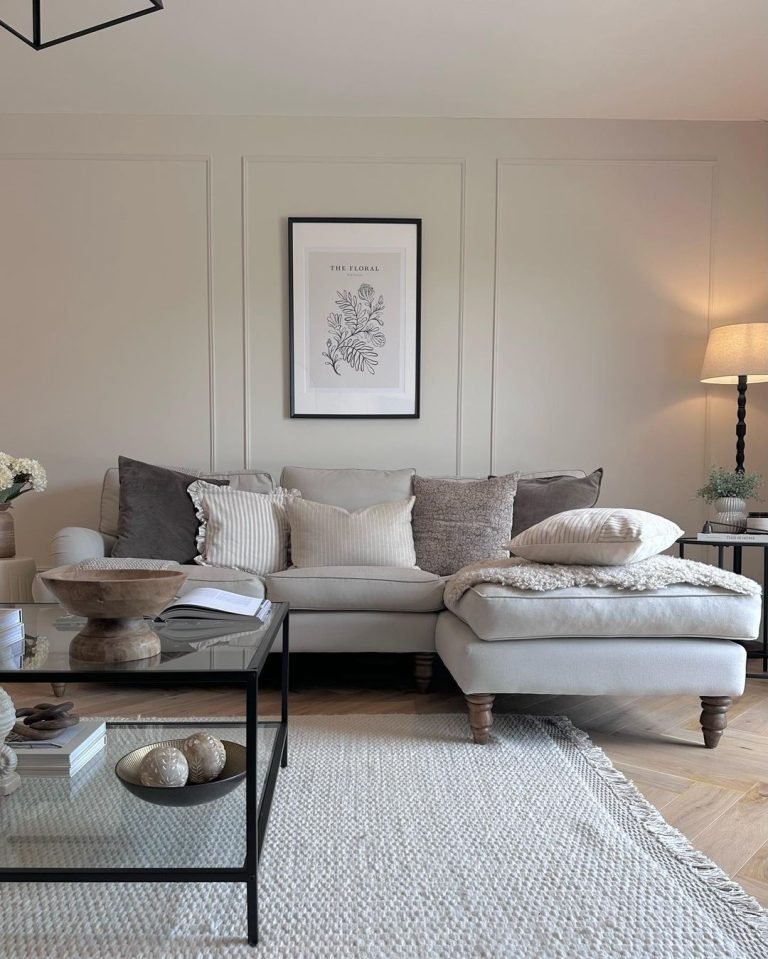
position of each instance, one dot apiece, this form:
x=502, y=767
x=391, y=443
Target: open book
x=218, y=604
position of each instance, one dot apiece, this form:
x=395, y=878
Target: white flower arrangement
x=20, y=475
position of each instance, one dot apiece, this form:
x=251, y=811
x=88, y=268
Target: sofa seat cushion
x=502, y=612
x=374, y=588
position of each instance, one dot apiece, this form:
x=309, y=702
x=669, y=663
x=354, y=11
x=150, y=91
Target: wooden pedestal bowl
x=115, y=602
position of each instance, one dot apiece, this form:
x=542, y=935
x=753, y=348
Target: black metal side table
x=757, y=649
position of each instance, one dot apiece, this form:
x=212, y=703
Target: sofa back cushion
x=157, y=518
x=255, y=481
x=539, y=497
x=325, y=535
x=349, y=488
x=457, y=522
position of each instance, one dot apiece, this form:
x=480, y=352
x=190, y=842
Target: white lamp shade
x=734, y=351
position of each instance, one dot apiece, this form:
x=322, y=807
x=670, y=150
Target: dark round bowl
x=193, y=794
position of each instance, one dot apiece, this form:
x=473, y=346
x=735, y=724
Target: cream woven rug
x=393, y=836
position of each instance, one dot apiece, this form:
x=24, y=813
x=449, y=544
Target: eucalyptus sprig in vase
x=728, y=491
x=17, y=475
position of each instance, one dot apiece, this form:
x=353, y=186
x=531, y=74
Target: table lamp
x=737, y=355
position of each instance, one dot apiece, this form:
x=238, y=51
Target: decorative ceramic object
x=128, y=771
x=732, y=512
x=9, y=778
x=206, y=756
x=164, y=766
x=7, y=532
x=115, y=602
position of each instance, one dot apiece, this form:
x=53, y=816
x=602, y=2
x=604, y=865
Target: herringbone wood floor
x=718, y=798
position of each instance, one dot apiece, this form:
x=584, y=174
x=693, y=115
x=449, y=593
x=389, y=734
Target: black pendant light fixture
x=36, y=40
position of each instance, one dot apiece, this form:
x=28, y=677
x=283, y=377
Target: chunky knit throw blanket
x=655, y=573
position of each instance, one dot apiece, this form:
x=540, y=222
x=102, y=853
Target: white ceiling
x=692, y=59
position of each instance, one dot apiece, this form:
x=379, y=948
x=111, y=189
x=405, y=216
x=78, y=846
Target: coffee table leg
x=252, y=806
x=284, y=693
x=253, y=912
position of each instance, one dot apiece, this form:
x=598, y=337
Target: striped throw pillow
x=596, y=537
x=242, y=530
x=323, y=535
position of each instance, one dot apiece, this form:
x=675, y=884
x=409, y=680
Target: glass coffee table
x=89, y=828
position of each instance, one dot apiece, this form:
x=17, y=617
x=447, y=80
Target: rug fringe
x=729, y=891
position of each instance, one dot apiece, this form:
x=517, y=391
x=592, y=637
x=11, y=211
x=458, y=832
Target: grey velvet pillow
x=456, y=522
x=540, y=497
x=157, y=518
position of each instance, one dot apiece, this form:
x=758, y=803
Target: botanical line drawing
x=356, y=334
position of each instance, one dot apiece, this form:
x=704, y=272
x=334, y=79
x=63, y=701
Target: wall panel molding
x=206, y=161
x=503, y=163
x=250, y=159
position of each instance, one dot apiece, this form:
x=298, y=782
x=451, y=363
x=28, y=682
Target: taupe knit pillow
x=457, y=522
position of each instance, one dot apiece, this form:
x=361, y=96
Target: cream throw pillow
x=242, y=530
x=596, y=537
x=323, y=535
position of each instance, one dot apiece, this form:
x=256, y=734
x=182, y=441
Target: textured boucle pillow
x=597, y=537
x=325, y=535
x=457, y=522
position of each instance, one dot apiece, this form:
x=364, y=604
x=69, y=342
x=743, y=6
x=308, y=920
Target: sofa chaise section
x=599, y=641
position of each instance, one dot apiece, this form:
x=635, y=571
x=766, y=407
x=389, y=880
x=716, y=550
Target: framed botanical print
x=354, y=303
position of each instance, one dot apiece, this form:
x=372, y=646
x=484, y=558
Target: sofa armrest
x=73, y=544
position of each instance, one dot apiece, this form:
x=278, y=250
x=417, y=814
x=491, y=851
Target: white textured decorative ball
x=205, y=755
x=164, y=766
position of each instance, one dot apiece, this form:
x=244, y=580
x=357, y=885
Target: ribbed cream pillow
x=596, y=537
x=323, y=535
x=242, y=530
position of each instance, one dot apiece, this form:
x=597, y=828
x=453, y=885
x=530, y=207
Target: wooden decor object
x=480, y=716
x=44, y=721
x=713, y=718
x=9, y=778
x=115, y=602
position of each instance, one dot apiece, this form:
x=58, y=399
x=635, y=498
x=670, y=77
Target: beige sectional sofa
x=584, y=642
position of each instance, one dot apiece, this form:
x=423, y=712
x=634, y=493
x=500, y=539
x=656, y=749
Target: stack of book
x=11, y=639
x=63, y=756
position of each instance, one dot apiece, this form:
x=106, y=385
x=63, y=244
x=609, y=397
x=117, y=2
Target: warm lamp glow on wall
x=737, y=355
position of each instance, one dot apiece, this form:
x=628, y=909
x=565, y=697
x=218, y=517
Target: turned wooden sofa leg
x=59, y=689
x=423, y=665
x=480, y=707
x=713, y=718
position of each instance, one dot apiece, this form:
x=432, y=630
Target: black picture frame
x=297, y=301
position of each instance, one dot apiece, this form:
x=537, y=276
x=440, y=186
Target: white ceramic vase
x=732, y=512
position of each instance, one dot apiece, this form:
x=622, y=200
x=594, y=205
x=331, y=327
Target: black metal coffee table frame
x=257, y=808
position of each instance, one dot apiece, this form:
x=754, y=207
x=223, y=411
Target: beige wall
x=570, y=273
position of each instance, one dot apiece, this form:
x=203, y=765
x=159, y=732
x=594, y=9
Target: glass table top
x=91, y=820
x=187, y=646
